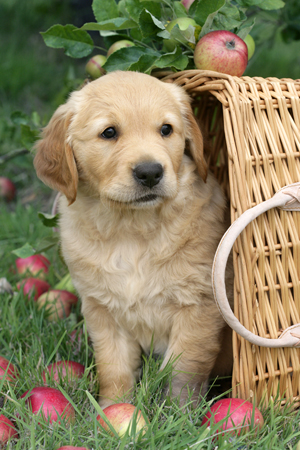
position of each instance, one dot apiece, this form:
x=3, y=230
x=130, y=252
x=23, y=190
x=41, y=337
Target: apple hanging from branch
x=221, y=51
x=94, y=66
x=123, y=43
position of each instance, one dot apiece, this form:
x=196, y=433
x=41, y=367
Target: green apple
x=118, y=45
x=94, y=66
x=183, y=24
x=250, y=44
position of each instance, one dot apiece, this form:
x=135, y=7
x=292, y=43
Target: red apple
x=36, y=265
x=57, y=303
x=64, y=369
x=94, y=66
x=250, y=44
x=120, y=416
x=239, y=413
x=221, y=51
x=118, y=45
x=7, y=370
x=187, y=3
x=7, y=430
x=71, y=447
x=33, y=287
x=50, y=403
x=7, y=189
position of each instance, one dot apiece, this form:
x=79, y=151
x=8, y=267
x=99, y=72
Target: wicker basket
x=253, y=127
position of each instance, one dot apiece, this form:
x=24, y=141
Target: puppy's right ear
x=54, y=161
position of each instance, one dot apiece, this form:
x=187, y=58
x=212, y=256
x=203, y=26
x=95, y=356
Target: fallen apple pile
x=44, y=401
x=57, y=302
x=51, y=406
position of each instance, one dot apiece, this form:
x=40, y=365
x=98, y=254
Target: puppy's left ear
x=195, y=141
x=193, y=135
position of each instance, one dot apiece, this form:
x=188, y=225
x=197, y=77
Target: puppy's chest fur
x=142, y=265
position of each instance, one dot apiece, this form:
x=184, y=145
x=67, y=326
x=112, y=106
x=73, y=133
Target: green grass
x=31, y=342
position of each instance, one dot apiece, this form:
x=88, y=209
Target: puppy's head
x=121, y=138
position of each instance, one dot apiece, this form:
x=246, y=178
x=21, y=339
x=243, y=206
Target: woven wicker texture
x=253, y=130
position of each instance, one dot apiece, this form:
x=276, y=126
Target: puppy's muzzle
x=148, y=174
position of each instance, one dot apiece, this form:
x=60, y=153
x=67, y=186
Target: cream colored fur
x=142, y=268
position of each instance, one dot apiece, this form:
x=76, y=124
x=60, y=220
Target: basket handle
x=287, y=198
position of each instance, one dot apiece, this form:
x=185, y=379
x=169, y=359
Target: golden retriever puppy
x=140, y=222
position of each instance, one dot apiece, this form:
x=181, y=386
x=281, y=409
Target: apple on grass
x=50, y=403
x=7, y=430
x=33, y=287
x=7, y=370
x=221, y=51
x=36, y=265
x=57, y=303
x=63, y=370
x=120, y=416
x=94, y=66
x=7, y=189
x=123, y=43
x=234, y=415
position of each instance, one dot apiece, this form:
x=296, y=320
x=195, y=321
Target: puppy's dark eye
x=109, y=133
x=166, y=129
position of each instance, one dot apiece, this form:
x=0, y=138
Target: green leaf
x=247, y=3
x=175, y=60
x=149, y=24
x=105, y=9
x=135, y=7
x=66, y=284
x=19, y=117
x=28, y=136
x=246, y=28
x=271, y=4
x=77, y=43
x=229, y=17
x=49, y=220
x=125, y=57
x=118, y=23
x=47, y=242
x=180, y=10
x=183, y=36
x=25, y=251
x=205, y=9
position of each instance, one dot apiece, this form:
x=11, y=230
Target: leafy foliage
x=145, y=23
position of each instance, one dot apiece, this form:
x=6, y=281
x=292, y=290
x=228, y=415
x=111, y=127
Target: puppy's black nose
x=148, y=174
